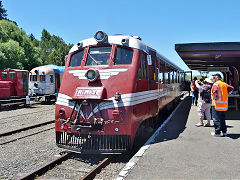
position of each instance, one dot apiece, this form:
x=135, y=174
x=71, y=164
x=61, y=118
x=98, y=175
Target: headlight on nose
x=100, y=37
x=92, y=75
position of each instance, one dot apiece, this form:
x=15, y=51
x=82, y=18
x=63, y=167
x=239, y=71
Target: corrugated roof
x=201, y=56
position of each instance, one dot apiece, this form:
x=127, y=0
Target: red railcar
x=111, y=85
x=13, y=86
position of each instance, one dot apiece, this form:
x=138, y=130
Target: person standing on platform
x=219, y=93
x=194, y=90
x=205, y=103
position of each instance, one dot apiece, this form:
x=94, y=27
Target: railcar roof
x=48, y=69
x=9, y=69
x=133, y=42
x=56, y=69
x=204, y=56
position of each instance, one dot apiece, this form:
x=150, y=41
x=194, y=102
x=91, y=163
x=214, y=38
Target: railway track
x=43, y=169
x=21, y=115
x=50, y=165
x=12, y=140
x=25, y=128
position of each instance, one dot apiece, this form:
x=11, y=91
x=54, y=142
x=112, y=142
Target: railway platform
x=180, y=150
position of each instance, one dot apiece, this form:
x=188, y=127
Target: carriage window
x=177, y=77
x=172, y=76
x=51, y=78
x=123, y=56
x=182, y=77
x=161, y=78
x=4, y=75
x=167, y=75
x=12, y=75
x=76, y=59
x=98, y=56
x=42, y=78
x=142, y=72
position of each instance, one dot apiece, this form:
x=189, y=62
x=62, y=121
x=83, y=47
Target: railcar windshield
x=123, y=56
x=33, y=77
x=12, y=75
x=98, y=56
x=42, y=78
x=76, y=59
x=4, y=75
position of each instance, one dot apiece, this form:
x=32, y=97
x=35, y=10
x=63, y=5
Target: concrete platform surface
x=183, y=151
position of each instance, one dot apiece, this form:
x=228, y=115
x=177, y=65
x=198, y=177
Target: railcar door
x=187, y=78
x=25, y=83
x=153, y=81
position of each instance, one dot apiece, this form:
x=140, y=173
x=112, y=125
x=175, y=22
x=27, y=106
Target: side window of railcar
x=182, y=77
x=161, y=77
x=167, y=75
x=172, y=76
x=98, y=56
x=4, y=75
x=177, y=77
x=123, y=56
x=12, y=75
x=76, y=59
x=142, y=71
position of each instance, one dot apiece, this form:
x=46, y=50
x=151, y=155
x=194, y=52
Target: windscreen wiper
x=94, y=60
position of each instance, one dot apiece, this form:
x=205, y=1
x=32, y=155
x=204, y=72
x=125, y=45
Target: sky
x=160, y=23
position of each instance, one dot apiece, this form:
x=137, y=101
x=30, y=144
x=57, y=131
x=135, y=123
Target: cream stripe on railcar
x=104, y=73
x=130, y=99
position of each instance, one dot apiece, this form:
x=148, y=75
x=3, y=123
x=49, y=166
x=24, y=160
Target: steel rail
x=26, y=128
x=91, y=174
x=45, y=167
x=25, y=136
x=21, y=115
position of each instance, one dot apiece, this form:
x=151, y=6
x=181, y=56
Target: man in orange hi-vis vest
x=219, y=93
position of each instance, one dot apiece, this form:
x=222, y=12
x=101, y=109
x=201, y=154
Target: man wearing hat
x=205, y=101
x=219, y=93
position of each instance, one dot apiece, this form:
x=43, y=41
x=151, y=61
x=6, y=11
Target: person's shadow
x=233, y=136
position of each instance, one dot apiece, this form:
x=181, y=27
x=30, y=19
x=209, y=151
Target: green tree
x=3, y=12
x=34, y=40
x=16, y=48
x=204, y=74
x=53, y=49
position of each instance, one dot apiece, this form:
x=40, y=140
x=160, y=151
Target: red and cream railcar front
x=108, y=88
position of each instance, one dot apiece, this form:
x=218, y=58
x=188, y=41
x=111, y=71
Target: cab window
x=4, y=75
x=76, y=59
x=123, y=56
x=33, y=77
x=98, y=56
x=12, y=75
x=42, y=78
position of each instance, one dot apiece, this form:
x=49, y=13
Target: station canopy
x=215, y=56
